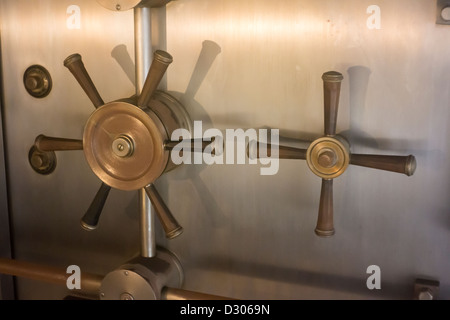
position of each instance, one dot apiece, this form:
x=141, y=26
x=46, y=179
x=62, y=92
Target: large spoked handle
x=329, y=156
x=170, y=225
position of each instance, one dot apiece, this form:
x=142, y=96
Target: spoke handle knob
x=331, y=91
x=76, y=66
x=325, y=224
x=170, y=225
x=90, y=220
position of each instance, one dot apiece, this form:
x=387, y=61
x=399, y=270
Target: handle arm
x=170, y=225
x=401, y=164
x=325, y=224
x=331, y=90
x=161, y=61
x=75, y=65
x=45, y=144
x=90, y=220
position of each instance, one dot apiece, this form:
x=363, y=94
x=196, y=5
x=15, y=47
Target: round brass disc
x=328, y=157
x=118, y=125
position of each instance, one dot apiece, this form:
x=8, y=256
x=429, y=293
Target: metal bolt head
x=327, y=158
x=445, y=13
x=118, y=7
x=37, y=161
x=126, y=296
x=123, y=146
x=42, y=162
x=37, y=81
x=425, y=295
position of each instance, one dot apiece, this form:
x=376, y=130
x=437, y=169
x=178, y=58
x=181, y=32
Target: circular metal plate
x=132, y=170
x=328, y=157
x=123, y=284
x=42, y=162
x=37, y=81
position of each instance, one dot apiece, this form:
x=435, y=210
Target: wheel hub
x=124, y=145
x=328, y=157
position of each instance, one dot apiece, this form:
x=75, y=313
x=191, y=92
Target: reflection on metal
x=329, y=156
x=143, y=55
x=443, y=12
x=37, y=81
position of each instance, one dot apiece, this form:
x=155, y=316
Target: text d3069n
x=228, y=309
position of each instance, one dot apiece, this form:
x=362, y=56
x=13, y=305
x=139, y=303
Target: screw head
x=126, y=296
x=123, y=146
x=445, y=13
x=425, y=295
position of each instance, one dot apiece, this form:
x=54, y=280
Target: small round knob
x=327, y=158
x=123, y=146
x=425, y=295
x=126, y=296
x=37, y=81
x=445, y=13
x=42, y=162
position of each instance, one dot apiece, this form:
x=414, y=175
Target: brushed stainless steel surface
x=246, y=235
x=46, y=223
x=394, y=98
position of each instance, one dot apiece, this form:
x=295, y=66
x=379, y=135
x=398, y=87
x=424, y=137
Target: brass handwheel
x=127, y=142
x=329, y=156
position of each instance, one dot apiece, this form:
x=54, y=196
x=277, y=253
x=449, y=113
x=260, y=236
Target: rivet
x=445, y=13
